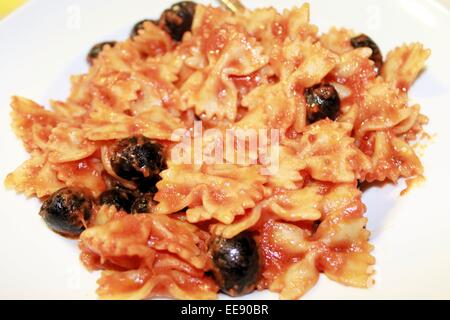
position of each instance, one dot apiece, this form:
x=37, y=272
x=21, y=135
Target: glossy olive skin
x=121, y=198
x=67, y=211
x=236, y=264
x=362, y=41
x=178, y=19
x=322, y=102
x=149, y=185
x=96, y=49
x=139, y=26
x=138, y=159
x=143, y=204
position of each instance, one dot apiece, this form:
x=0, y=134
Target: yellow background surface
x=7, y=6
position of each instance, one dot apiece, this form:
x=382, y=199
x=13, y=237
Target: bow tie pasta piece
x=34, y=177
x=167, y=257
x=68, y=143
x=217, y=94
x=151, y=41
x=338, y=40
x=32, y=123
x=296, y=205
x=311, y=63
x=219, y=192
x=156, y=123
x=162, y=282
x=271, y=106
x=327, y=153
x=288, y=174
x=86, y=173
x=381, y=108
x=240, y=224
x=339, y=247
x=391, y=157
x=404, y=64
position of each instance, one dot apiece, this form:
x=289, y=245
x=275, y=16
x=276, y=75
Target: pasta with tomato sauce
x=102, y=161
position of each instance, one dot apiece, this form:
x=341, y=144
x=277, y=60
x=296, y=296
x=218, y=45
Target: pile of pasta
x=246, y=70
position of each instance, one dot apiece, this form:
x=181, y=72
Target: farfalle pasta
x=166, y=255
x=223, y=133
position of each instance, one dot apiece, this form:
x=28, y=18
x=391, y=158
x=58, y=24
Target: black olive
x=148, y=185
x=121, y=198
x=138, y=159
x=236, y=264
x=362, y=41
x=322, y=102
x=95, y=50
x=139, y=26
x=143, y=204
x=178, y=19
x=67, y=211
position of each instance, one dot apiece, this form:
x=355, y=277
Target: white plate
x=45, y=41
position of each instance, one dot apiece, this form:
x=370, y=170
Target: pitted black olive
x=178, y=19
x=67, y=211
x=139, y=26
x=322, y=102
x=143, y=204
x=149, y=185
x=362, y=41
x=95, y=50
x=236, y=264
x=138, y=159
x=121, y=198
